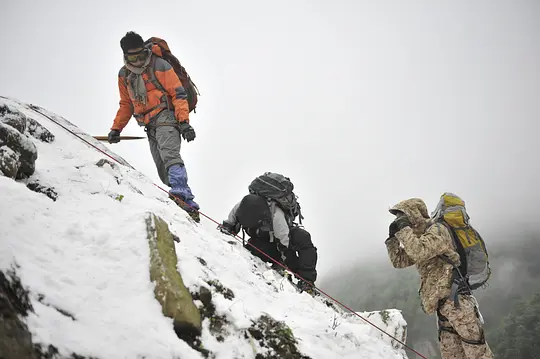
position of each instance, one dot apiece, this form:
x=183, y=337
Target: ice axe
x=105, y=138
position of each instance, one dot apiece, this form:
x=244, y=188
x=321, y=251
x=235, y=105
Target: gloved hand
x=398, y=224
x=187, y=132
x=229, y=229
x=282, y=249
x=114, y=136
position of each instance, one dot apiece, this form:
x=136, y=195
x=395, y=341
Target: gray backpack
x=279, y=188
x=474, y=268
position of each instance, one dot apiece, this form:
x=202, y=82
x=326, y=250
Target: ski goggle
x=136, y=56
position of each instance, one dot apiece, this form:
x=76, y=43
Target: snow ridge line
x=237, y=237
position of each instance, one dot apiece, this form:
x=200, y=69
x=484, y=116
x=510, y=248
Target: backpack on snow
x=279, y=188
x=192, y=91
x=474, y=270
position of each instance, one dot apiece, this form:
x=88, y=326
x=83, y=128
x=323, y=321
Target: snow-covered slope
x=84, y=258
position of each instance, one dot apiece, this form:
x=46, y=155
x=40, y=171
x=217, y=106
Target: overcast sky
x=361, y=103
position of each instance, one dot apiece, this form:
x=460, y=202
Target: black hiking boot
x=306, y=287
x=282, y=272
x=193, y=213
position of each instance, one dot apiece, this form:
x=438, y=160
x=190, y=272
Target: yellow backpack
x=474, y=267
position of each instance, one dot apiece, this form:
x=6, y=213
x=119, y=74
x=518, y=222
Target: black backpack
x=279, y=188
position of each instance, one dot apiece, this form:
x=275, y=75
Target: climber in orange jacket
x=151, y=92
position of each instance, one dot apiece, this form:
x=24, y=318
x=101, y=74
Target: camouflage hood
x=422, y=246
x=416, y=210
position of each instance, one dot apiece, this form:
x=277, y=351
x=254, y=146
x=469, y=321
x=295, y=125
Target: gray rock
x=15, y=339
x=21, y=145
x=105, y=161
x=35, y=129
x=9, y=162
x=24, y=124
x=275, y=338
x=47, y=191
x=14, y=121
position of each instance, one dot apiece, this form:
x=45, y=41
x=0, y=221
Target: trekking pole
x=106, y=138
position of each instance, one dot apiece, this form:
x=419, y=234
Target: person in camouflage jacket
x=414, y=240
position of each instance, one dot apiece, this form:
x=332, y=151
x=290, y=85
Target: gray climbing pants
x=164, y=140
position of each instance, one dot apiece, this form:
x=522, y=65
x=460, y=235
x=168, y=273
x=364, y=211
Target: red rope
x=76, y=135
x=240, y=239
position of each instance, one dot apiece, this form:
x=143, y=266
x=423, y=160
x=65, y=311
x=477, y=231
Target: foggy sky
x=361, y=103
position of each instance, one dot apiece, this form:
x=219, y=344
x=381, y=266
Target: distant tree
x=518, y=336
x=510, y=304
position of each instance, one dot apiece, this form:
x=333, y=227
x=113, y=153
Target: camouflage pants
x=461, y=335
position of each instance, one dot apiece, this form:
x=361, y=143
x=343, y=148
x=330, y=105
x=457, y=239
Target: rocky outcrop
x=12, y=141
x=37, y=131
x=9, y=162
x=39, y=188
x=18, y=153
x=170, y=291
x=24, y=124
x=275, y=339
x=15, y=340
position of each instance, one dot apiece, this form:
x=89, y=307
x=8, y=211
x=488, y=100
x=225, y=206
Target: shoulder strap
x=272, y=205
x=151, y=71
x=459, y=248
x=300, y=217
x=126, y=74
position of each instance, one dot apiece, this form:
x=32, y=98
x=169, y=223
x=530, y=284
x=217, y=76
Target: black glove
x=229, y=229
x=282, y=249
x=187, y=132
x=398, y=224
x=114, y=136
x=392, y=229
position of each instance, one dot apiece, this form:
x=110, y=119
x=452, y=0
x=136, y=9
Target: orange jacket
x=175, y=94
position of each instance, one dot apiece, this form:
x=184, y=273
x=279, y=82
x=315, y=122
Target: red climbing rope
x=76, y=135
x=240, y=239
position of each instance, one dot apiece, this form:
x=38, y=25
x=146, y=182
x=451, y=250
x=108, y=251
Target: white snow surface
x=87, y=254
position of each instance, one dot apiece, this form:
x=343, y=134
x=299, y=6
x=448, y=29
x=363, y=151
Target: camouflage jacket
x=420, y=245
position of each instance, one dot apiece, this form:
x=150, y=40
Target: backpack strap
x=126, y=74
x=151, y=71
x=460, y=282
x=459, y=249
x=460, y=285
x=142, y=114
x=272, y=205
